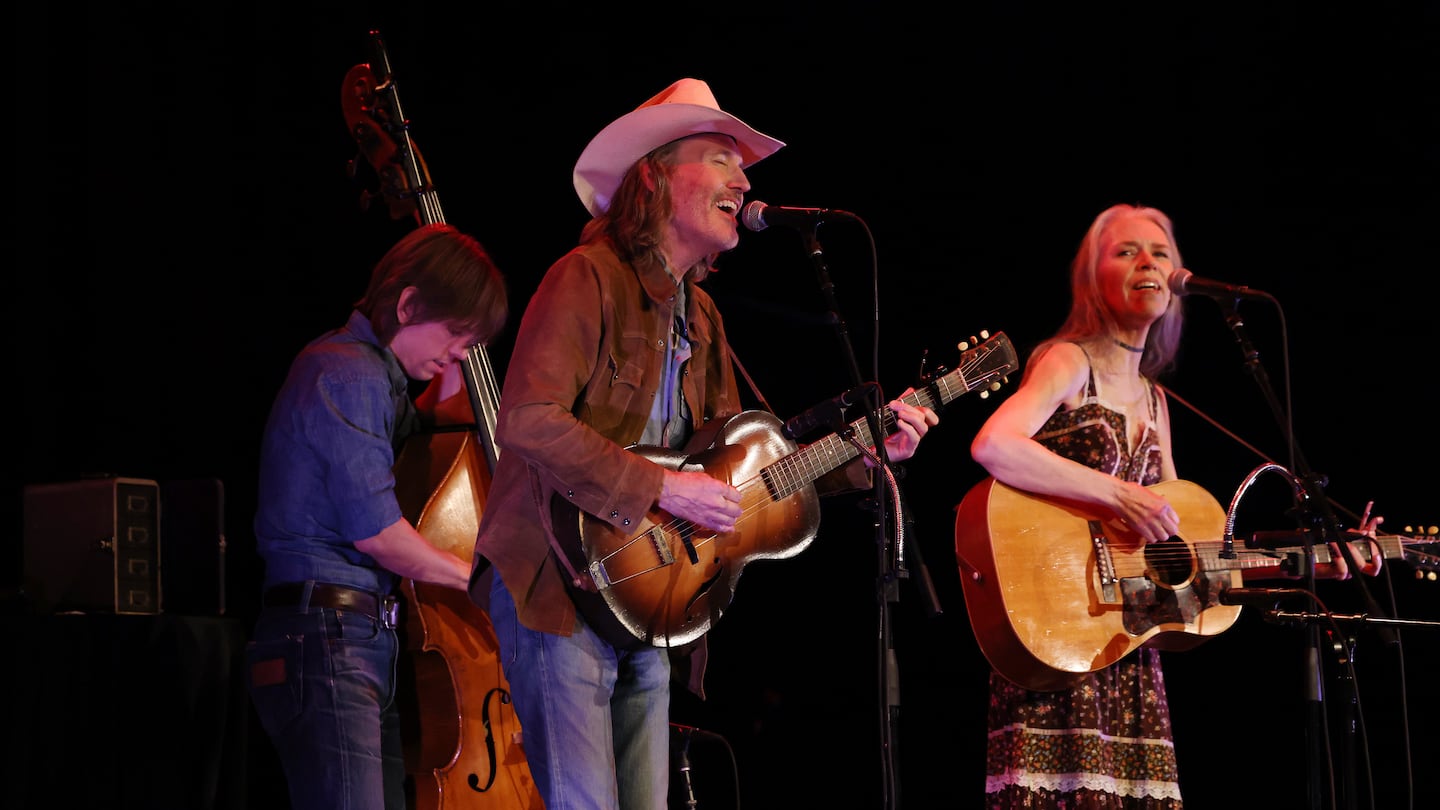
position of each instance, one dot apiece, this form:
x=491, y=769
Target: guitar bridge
x=1104, y=566
x=633, y=559
x=661, y=544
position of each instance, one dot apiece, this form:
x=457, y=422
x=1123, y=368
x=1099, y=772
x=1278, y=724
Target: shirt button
x=625, y=522
x=614, y=514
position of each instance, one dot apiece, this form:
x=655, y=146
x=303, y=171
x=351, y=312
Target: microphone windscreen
x=1178, y=280
x=753, y=216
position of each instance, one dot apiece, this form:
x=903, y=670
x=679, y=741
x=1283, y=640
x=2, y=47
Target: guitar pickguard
x=1148, y=605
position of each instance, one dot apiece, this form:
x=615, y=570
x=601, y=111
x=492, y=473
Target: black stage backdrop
x=184, y=222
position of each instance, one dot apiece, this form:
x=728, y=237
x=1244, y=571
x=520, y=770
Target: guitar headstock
x=985, y=364
x=370, y=101
x=1421, y=549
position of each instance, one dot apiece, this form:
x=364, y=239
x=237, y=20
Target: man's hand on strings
x=697, y=497
x=911, y=422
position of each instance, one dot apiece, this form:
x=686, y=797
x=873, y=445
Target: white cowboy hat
x=685, y=108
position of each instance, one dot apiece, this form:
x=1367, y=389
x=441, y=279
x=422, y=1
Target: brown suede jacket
x=578, y=389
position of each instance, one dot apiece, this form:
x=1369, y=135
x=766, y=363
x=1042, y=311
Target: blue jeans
x=588, y=713
x=323, y=685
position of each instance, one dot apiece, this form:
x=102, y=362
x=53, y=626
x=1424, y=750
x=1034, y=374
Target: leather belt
x=384, y=609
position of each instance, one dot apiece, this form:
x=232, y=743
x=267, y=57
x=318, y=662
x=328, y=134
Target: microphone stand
x=1316, y=518
x=1304, y=617
x=685, y=768
x=886, y=582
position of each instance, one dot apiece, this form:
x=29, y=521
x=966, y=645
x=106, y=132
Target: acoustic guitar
x=1055, y=591
x=665, y=582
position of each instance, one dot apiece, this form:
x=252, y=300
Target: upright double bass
x=462, y=740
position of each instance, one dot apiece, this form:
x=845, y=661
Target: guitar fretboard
x=981, y=366
x=1209, y=553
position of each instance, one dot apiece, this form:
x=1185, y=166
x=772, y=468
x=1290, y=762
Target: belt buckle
x=389, y=612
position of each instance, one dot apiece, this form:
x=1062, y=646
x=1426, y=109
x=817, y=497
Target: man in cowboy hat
x=618, y=346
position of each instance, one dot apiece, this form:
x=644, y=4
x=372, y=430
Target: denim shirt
x=327, y=458
x=670, y=423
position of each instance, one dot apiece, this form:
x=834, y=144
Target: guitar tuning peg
x=994, y=386
x=962, y=345
x=985, y=394
x=985, y=333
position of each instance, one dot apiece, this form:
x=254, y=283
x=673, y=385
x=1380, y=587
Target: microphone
x=830, y=413
x=1184, y=282
x=1271, y=539
x=687, y=732
x=1258, y=596
x=758, y=216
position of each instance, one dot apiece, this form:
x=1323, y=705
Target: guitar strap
x=537, y=492
x=735, y=358
x=581, y=587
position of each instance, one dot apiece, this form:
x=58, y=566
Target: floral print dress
x=1106, y=741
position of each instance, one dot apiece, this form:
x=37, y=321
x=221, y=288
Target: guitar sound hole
x=1170, y=564
x=702, y=594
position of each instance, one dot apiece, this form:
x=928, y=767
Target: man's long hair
x=636, y=218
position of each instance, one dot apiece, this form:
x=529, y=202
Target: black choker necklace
x=1127, y=347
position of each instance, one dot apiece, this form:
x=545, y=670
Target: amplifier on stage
x=93, y=545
